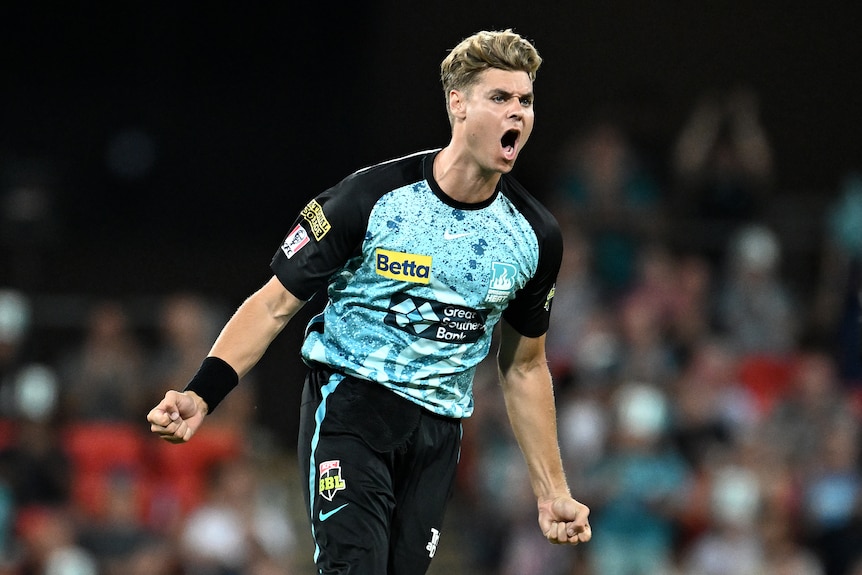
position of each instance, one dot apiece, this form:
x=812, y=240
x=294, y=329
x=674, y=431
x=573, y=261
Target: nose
x=516, y=110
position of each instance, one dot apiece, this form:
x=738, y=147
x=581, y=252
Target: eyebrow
x=506, y=94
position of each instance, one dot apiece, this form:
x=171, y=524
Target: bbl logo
x=330, y=479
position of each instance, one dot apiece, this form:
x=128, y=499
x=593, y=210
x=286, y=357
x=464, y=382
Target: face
x=495, y=118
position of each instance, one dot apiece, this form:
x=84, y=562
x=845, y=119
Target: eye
x=498, y=98
x=527, y=102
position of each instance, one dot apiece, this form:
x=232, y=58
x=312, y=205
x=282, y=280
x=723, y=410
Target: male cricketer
x=420, y=258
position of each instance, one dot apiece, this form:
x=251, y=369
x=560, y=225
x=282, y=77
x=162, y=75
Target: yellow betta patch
x=413, y=268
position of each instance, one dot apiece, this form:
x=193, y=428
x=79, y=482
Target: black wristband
x=213, y=381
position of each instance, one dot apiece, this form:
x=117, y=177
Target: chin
x=507, y=166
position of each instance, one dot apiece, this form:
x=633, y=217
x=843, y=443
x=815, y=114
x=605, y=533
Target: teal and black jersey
x=416, y=281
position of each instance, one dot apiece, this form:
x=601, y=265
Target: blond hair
x=504, y=50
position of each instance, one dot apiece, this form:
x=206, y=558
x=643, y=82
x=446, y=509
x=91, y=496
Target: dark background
x=171, y=143
x=241, y=111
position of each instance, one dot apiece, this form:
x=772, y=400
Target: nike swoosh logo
x=447, y=235
x=324, y=516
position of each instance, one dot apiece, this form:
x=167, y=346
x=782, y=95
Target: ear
x=457, y=104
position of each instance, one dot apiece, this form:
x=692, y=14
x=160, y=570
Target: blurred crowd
x=87, y=490
x=709, y=402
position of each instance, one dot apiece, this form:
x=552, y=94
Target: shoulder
x=390, y=174
x=540, y=218
x=357, y=194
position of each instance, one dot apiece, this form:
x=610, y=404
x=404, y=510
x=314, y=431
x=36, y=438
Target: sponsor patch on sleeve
x=294, y=241
x=313, y=214
x=550, y=297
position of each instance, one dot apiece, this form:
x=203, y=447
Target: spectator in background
x=784, y=553
x=103, y=378
x=115, y=536
x=639, y=488
x=597, y=355
x=645, y=353
x=237, y=530
x=159, y=552
x=15, y=315
x=816, y=430
x=643, y=315
x=489, y=457
x=575, y=300
x=731, y=545
x=609, y=194
x=35, y=467
x=711, y=410
x=832, y=499
x=838, y=293
x=723, y=169
x=49, y=537
x=690, y=321
x=754, y=306
x=815, y=404
x=188, y=323
x=35, y=470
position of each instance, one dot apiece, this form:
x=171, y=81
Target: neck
x=461, y=178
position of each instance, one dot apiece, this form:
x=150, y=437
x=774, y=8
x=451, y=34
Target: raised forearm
x=529, y=397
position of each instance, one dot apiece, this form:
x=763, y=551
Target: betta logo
x=412, y=268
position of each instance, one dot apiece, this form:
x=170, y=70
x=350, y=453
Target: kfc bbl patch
x=331, y=481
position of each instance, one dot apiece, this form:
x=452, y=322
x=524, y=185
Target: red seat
x=767, y=377
x=179, y=471
x=104, y=446
x=7, y=432
x=102, y=455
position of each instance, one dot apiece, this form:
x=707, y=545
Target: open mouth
x=508, y=141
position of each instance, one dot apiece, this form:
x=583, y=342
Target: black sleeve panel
x=529, y=313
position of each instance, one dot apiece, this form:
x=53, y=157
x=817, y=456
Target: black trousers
x=378, y=471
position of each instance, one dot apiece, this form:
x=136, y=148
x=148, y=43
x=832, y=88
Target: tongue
x=509, y=151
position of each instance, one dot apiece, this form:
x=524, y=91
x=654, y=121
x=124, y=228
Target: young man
x=420, y=258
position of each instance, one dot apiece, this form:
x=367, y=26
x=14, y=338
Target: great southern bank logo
x=502, y=282
x=400, y=266
x=435, y=320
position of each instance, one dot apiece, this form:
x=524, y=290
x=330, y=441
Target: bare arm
x=241, y=343
x=254, y=326
x=529, y=397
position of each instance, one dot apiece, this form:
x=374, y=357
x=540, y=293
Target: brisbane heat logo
x=331, y=481
x=502, y=282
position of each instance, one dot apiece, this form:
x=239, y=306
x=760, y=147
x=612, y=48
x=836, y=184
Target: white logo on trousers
x=432, y=545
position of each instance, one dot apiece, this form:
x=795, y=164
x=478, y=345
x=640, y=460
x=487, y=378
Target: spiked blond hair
x=502, y=49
